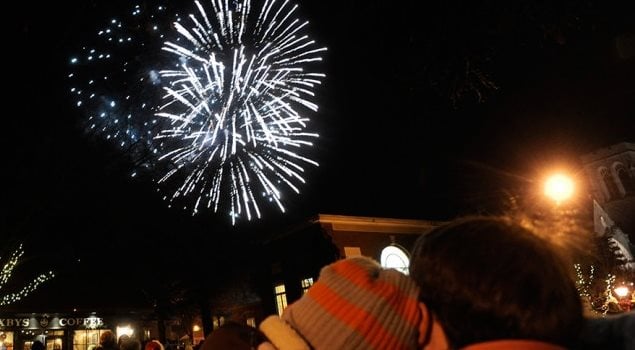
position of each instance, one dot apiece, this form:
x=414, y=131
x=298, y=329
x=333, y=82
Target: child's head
x=355, y=304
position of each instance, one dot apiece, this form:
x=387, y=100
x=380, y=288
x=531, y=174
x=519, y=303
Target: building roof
x=375, y=224
x=612, y=150
x=622, y=212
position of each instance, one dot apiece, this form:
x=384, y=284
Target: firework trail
x=226, y=123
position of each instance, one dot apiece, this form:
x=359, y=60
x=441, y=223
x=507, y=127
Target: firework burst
x=113, y=81
x=226, y=121
x=234, y=105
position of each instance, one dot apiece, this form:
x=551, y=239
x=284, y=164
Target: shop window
x=628, y=183
x=53, y=343
x=393, y=257
x=281, y=298
x=86, y=339
x=6, y=340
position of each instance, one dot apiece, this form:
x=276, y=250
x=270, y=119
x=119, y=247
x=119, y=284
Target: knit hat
x=154, y=345
x=355, y=304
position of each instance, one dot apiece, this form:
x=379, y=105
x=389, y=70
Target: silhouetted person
x=616, y=332
x=235, y=336
x=122, y=338
x=107, y=341
x=154, y=345
x=198, y=346
x=37, y=345
x=129, y=344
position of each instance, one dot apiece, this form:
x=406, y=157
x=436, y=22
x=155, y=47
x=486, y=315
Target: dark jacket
x=610, y=332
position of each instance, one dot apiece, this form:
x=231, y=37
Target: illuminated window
x=393, y=257
x=352, y=251
x=218, y=321
x=609, y=183
x=281, y=298
x=628, y=183
x=6, y=340
x=53, y=344
x=306, y=284
x=251, y=321
x=86, y=339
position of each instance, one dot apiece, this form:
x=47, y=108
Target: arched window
x=393, y=257
x=609, y=184
x=628, y=183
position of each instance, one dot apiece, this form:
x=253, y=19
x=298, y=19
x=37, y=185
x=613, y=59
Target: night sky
x=427, y=112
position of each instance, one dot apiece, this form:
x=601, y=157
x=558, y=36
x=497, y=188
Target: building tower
x=611, y=174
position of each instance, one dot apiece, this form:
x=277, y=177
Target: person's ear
x=266, y=346
x=431, y=334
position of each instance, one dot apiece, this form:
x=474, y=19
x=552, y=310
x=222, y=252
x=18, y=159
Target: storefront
x=67, y=332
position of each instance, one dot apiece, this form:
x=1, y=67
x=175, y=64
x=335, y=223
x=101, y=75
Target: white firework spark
x=114, y=84
x=234, y=105
x=223, y=125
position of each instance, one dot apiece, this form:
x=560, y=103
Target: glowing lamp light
x=393, y=257
x=127, y=330
x=196, y=328
x=559, y=187
x=621, y=291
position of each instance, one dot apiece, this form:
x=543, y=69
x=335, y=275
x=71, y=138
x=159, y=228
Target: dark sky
x=402, y=130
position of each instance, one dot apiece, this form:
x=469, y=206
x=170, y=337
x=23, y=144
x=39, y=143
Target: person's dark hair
x=129, y=344
x=107, y=339
x=489, y=278
x=122, y=338
x=234, y=336
x=37, y=345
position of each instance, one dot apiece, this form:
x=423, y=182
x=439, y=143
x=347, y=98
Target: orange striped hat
x=356, y=304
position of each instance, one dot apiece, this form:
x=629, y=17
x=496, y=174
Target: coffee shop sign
x=44, y=322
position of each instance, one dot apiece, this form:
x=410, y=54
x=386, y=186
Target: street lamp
x=559, y=187
x=623, y=292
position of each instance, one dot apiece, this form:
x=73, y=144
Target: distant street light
x=623, y=293
x=559, y=187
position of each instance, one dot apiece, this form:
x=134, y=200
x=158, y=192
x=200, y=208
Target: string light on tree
x=608, y=294
x=5, y=276
x=584, y=283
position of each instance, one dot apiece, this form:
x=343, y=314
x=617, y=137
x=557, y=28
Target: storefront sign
x=88, y=322
x=14, y=322
x=52, y=322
